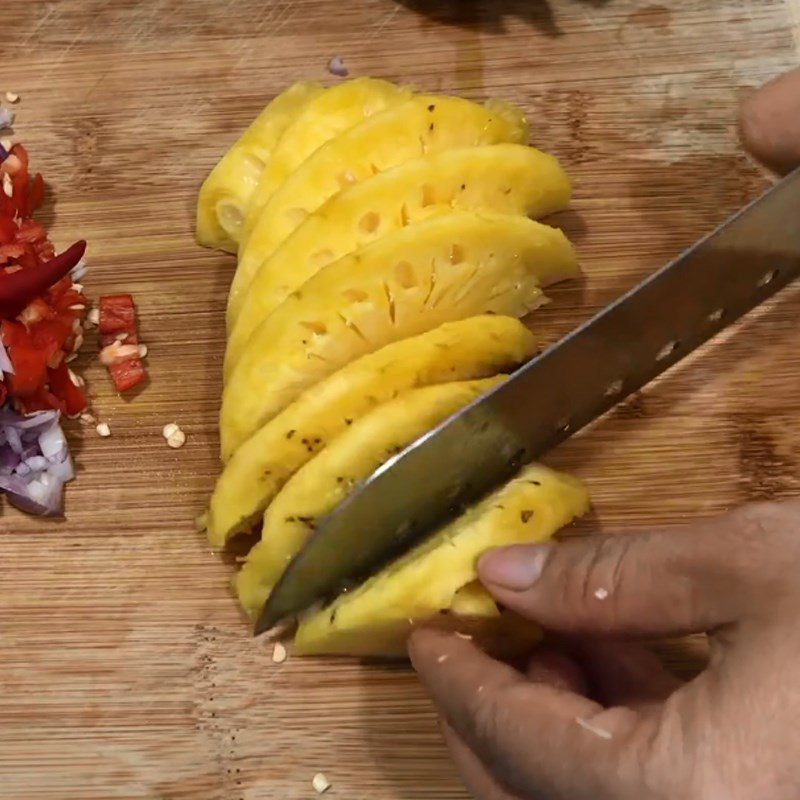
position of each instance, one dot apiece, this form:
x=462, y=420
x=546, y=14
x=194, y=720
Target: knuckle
x=488, y=717
x=495, y=713
x=596, y=571
x=500, y=731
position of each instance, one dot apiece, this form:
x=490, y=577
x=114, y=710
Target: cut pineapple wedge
x=443, y=269
x=424, y=124
x=330, y=113
x=473, y=348
x=473, y=600
x=328, y=478
x=507, y=178
x=376, y=618
x=226, y=193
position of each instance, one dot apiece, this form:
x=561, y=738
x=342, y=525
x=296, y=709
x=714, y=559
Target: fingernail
x=516, y=568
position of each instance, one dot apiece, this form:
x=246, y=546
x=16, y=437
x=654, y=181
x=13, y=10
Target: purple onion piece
x=337, y=67
x=6, y=118
x=5, y=362
x=34, y=461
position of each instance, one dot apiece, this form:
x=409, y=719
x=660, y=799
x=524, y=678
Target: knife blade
x=629, y=343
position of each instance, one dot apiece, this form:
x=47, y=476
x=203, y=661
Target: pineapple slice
x=329, y=477
x=424, y=124
x=332, y=112
x=376, y=618
x=446, y=268
x=226, y=193
x=473, y=600
x=508, y=178
x=472, y=348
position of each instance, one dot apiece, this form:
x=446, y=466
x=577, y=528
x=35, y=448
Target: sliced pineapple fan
x=387, y=247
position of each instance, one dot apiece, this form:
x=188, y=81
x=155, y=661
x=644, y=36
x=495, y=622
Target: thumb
x=653, y=584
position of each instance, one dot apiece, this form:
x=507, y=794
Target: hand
x=770, y=123
x=607, y=721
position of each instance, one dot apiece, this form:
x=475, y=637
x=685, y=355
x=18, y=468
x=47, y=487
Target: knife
x=641, y=335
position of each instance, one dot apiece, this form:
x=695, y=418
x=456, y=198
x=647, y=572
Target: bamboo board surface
x=125, y=668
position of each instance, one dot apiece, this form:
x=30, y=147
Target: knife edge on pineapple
x=423, y=586
x=326, y=480
x=506, y=178
x=447, y=268
x=227, y=192
x=331, y=112
x=477, y=347
x=421, y=125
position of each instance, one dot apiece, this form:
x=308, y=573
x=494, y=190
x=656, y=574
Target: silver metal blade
x=748, y=259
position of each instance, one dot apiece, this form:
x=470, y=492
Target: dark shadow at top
x=491, y=15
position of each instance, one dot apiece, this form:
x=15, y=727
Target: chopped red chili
x=118, y=325
x=41, y=309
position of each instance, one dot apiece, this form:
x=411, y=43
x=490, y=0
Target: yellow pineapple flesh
x=225, y=196
x=506, y=178
x=329, y=477
x=421, y=125
x=421, y=586
x=333, y=111
x=446, y=268
x=477, y=347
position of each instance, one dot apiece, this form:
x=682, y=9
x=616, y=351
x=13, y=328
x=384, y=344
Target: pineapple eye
x=404, y=275
x=428, y=195
x=296, y=215
x=370, y=222
x=347, y=179
x=355, y=295
x=255, y=162
x=230, y=217
x=457, y=255
x=318, y=328
x=405, y=217
x=322, y=258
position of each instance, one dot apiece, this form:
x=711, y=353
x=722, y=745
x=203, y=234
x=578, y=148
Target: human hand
x=607, y=722
x=770, y=123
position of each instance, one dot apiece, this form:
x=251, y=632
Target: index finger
x=536, y=737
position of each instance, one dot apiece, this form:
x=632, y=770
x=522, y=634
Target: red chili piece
x=118, y=317
x=20, y=288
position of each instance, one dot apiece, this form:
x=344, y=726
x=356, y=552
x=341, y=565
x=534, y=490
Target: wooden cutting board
x=125, y=668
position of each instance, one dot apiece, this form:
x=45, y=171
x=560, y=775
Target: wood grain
x=125, y=669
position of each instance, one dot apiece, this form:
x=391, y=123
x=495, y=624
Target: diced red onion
x=5, y=362
x=78, y=271
x=34, y=461
x=13, y=439
x=52, y=442
x=337, y=67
